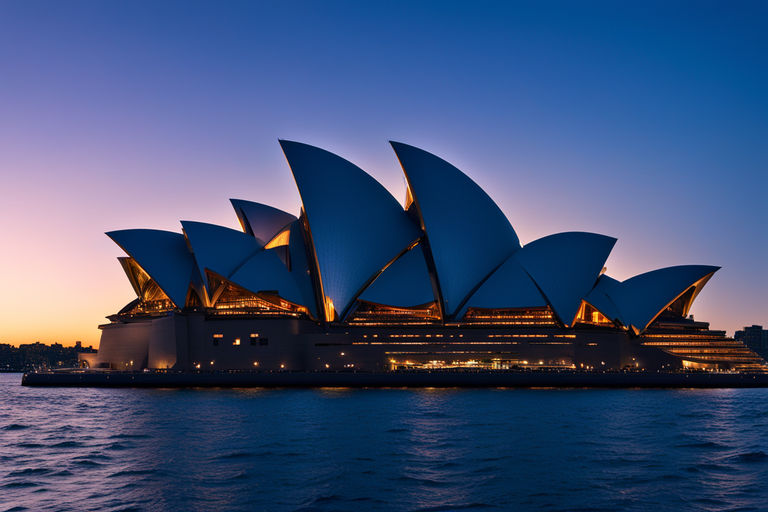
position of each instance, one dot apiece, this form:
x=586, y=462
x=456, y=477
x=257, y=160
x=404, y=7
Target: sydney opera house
x=361, y=282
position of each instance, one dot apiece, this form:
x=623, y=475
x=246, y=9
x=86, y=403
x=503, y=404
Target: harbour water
x=385, y=449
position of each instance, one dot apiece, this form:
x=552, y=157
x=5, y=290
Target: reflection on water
x=340, y=449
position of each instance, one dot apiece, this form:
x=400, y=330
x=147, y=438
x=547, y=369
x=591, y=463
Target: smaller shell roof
x=404, y=283
x=218, y=248
x=601, y=298
x=509, y=286
x=260, y=220
x=643, y=297
x=265, y=272
x=163, y=255
x=565, y=266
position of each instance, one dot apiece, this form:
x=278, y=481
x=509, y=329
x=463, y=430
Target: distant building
x=32, y=356
x=359, y=281
x=756, y=338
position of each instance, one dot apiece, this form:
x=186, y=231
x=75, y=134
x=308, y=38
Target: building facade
x=756, y=338
x=360, y=282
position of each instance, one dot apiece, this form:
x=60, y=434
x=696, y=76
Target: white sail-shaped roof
x=565, y=266
x=509, y=286
x=467, y=233
x=601, y=298
x=300, y=269
x=266, y=272
x=219, y=249
x=163, y=255
x=643, y=297
x=405, y=283
x=260, y=220
x=357, y=227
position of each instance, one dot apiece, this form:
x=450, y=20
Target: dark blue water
x=336, y=449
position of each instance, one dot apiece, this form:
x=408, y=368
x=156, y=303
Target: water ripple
x=346, y=450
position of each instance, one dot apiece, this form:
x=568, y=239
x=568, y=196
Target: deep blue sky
x=647, y=121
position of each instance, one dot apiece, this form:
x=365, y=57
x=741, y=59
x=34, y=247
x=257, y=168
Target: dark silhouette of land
x=33, y=356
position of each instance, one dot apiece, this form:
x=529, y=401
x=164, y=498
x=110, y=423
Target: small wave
x=625, y=461
x=435, y=414
x=485, y=470
x=705, y=444
x=129, y=436
x=131, y=472
x=116, y=447
x=322, y=500
x=234, y=455
x=93, y=455
x=67, y=444
x=493, y=459
x=15, y=426
x=709, y=467
x=424, y=481
x=759, y=456
x=708, y=501
x=29, y=471
x=86, y=462
x=30, y=445
x=20, y=485
x=467, y=506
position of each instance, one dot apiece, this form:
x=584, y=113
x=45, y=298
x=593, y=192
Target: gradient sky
x=644, y=121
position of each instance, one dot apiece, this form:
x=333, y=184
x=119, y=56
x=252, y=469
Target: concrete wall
x=264, y=344
x=124, y=346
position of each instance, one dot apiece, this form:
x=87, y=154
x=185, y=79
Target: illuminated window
x=588, y=314
x=236, y=342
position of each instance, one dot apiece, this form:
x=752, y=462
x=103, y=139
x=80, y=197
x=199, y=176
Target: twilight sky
x=647, y=122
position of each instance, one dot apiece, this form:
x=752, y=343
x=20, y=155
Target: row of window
x=253, y=338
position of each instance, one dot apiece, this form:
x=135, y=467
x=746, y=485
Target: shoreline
x=395, y=379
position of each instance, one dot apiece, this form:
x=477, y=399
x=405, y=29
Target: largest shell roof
x=355, y=242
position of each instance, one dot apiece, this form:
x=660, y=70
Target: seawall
x=396, y=379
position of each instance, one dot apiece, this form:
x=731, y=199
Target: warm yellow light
x=282, y=366
x=327, y=365
x=330, y=311
x=236, y=342
x=255, y=363
x=281, y=239
x=211, y=362
x=197, y=366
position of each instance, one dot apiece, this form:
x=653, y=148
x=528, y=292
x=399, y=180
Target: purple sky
x=644, y=121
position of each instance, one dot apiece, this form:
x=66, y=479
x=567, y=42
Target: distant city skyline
x=645, y=122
